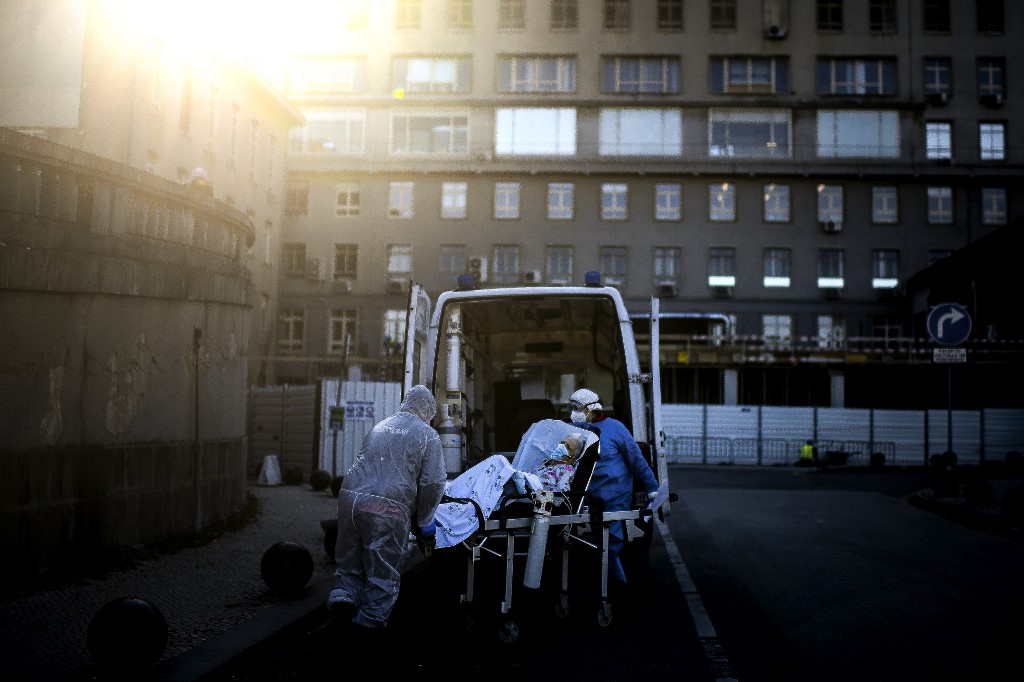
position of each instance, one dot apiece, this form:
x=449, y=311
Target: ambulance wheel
x=604, y=615
x=508, y=631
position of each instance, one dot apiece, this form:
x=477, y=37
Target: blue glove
x=429, y=530
x=427, y=538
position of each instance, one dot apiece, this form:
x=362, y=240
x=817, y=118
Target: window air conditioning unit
x=991, y=101
x=398, y=286
x=667, y=291
x=938, y=99
x=530, y=277
x=776, y=19
x=721, y=292
x=832, y=226
x=478, y=268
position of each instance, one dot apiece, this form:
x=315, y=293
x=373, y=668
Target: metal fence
x=759, y=435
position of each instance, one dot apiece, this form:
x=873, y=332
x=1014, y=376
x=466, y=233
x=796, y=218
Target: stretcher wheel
x=561, y=612
x=508, y=631
x=604, y=615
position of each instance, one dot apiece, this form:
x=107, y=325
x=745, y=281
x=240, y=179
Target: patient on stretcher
x=551, y=465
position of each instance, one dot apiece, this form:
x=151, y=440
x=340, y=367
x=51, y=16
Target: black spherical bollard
x=336, y=484
x=127, y=635
x=286, y=567
x=320, y=479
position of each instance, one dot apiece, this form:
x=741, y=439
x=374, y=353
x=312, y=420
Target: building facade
x=772, y=170
x=141, y=196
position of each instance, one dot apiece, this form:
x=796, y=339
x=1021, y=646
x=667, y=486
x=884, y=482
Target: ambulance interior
x=504, y=363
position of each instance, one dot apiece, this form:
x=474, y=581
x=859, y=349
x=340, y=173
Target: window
x=560, y=200
x=935, y=255
x=460, y=14
x=612, y=264
x=991, y=72
x=407, y=14
x=831, y=268
x=993, y=206
x=640, y=132
x=938, y=140
x=884, y=205
x=296, y=198
x=831, y=331
x=669, y=15
x=749, y=74
x=326, y=76
x=882, y=16
x=616, y=15
x=722, y=15
x=535, y=131
x=558, y=264
x=400, y=203
x=451, y=262
x=829, y=15
x=393, y=328
x=885, y=269
x=749, y=134
x=564, y=15
x=506, y=200
x=845, y=133
x=640, y=74
x=185, y=101
x=614, y=201
x=935, y=15
x=776, y=203
x=776, y=330
x=293, y=259
x=453, y=199
x=399, y=266
x=346, y=261
x=940, y=205
x=511, y=15
x=776, y=268
x=291, y=330
x=830, y=203
x=668, y=201
x=505, y=264
x=856, y=76
x=990, y=16
x=338, y=131
x=531, y=73
x=721, y=202
x=346, y=202
x=722, y=266
x=429, y=133
x=342, y=327
x=938, y=76
x=431, y=74
x=666, y=265
x=992, y=141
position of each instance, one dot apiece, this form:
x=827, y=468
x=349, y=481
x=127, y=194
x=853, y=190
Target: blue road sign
x=949, y=324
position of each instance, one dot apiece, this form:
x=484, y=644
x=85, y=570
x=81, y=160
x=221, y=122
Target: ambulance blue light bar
x=592, y=278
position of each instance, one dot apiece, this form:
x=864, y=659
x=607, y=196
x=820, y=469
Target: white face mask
x=578, y=417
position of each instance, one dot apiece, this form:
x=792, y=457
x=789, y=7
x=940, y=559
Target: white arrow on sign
x=953, y=316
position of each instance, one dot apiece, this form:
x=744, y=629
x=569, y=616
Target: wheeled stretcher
x=551, y=544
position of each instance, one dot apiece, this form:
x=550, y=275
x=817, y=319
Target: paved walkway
x=213, y=597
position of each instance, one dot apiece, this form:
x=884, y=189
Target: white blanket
x=482, y=482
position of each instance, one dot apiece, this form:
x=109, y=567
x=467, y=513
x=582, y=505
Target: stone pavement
x=213, y=597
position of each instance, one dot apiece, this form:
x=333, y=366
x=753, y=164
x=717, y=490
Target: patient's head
x=568, y=449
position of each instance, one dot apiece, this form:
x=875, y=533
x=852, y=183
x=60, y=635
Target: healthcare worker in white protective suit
x=397, y=480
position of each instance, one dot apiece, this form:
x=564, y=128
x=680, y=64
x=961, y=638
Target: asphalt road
x=799, y=574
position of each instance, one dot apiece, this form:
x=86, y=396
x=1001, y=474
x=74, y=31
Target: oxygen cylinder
x=451, y=443
x=540, y=525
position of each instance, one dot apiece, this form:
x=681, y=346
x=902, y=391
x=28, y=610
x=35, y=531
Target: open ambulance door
x=659, y=453
x=417, y=351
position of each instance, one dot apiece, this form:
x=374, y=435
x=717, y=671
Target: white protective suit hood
x=420, y=402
